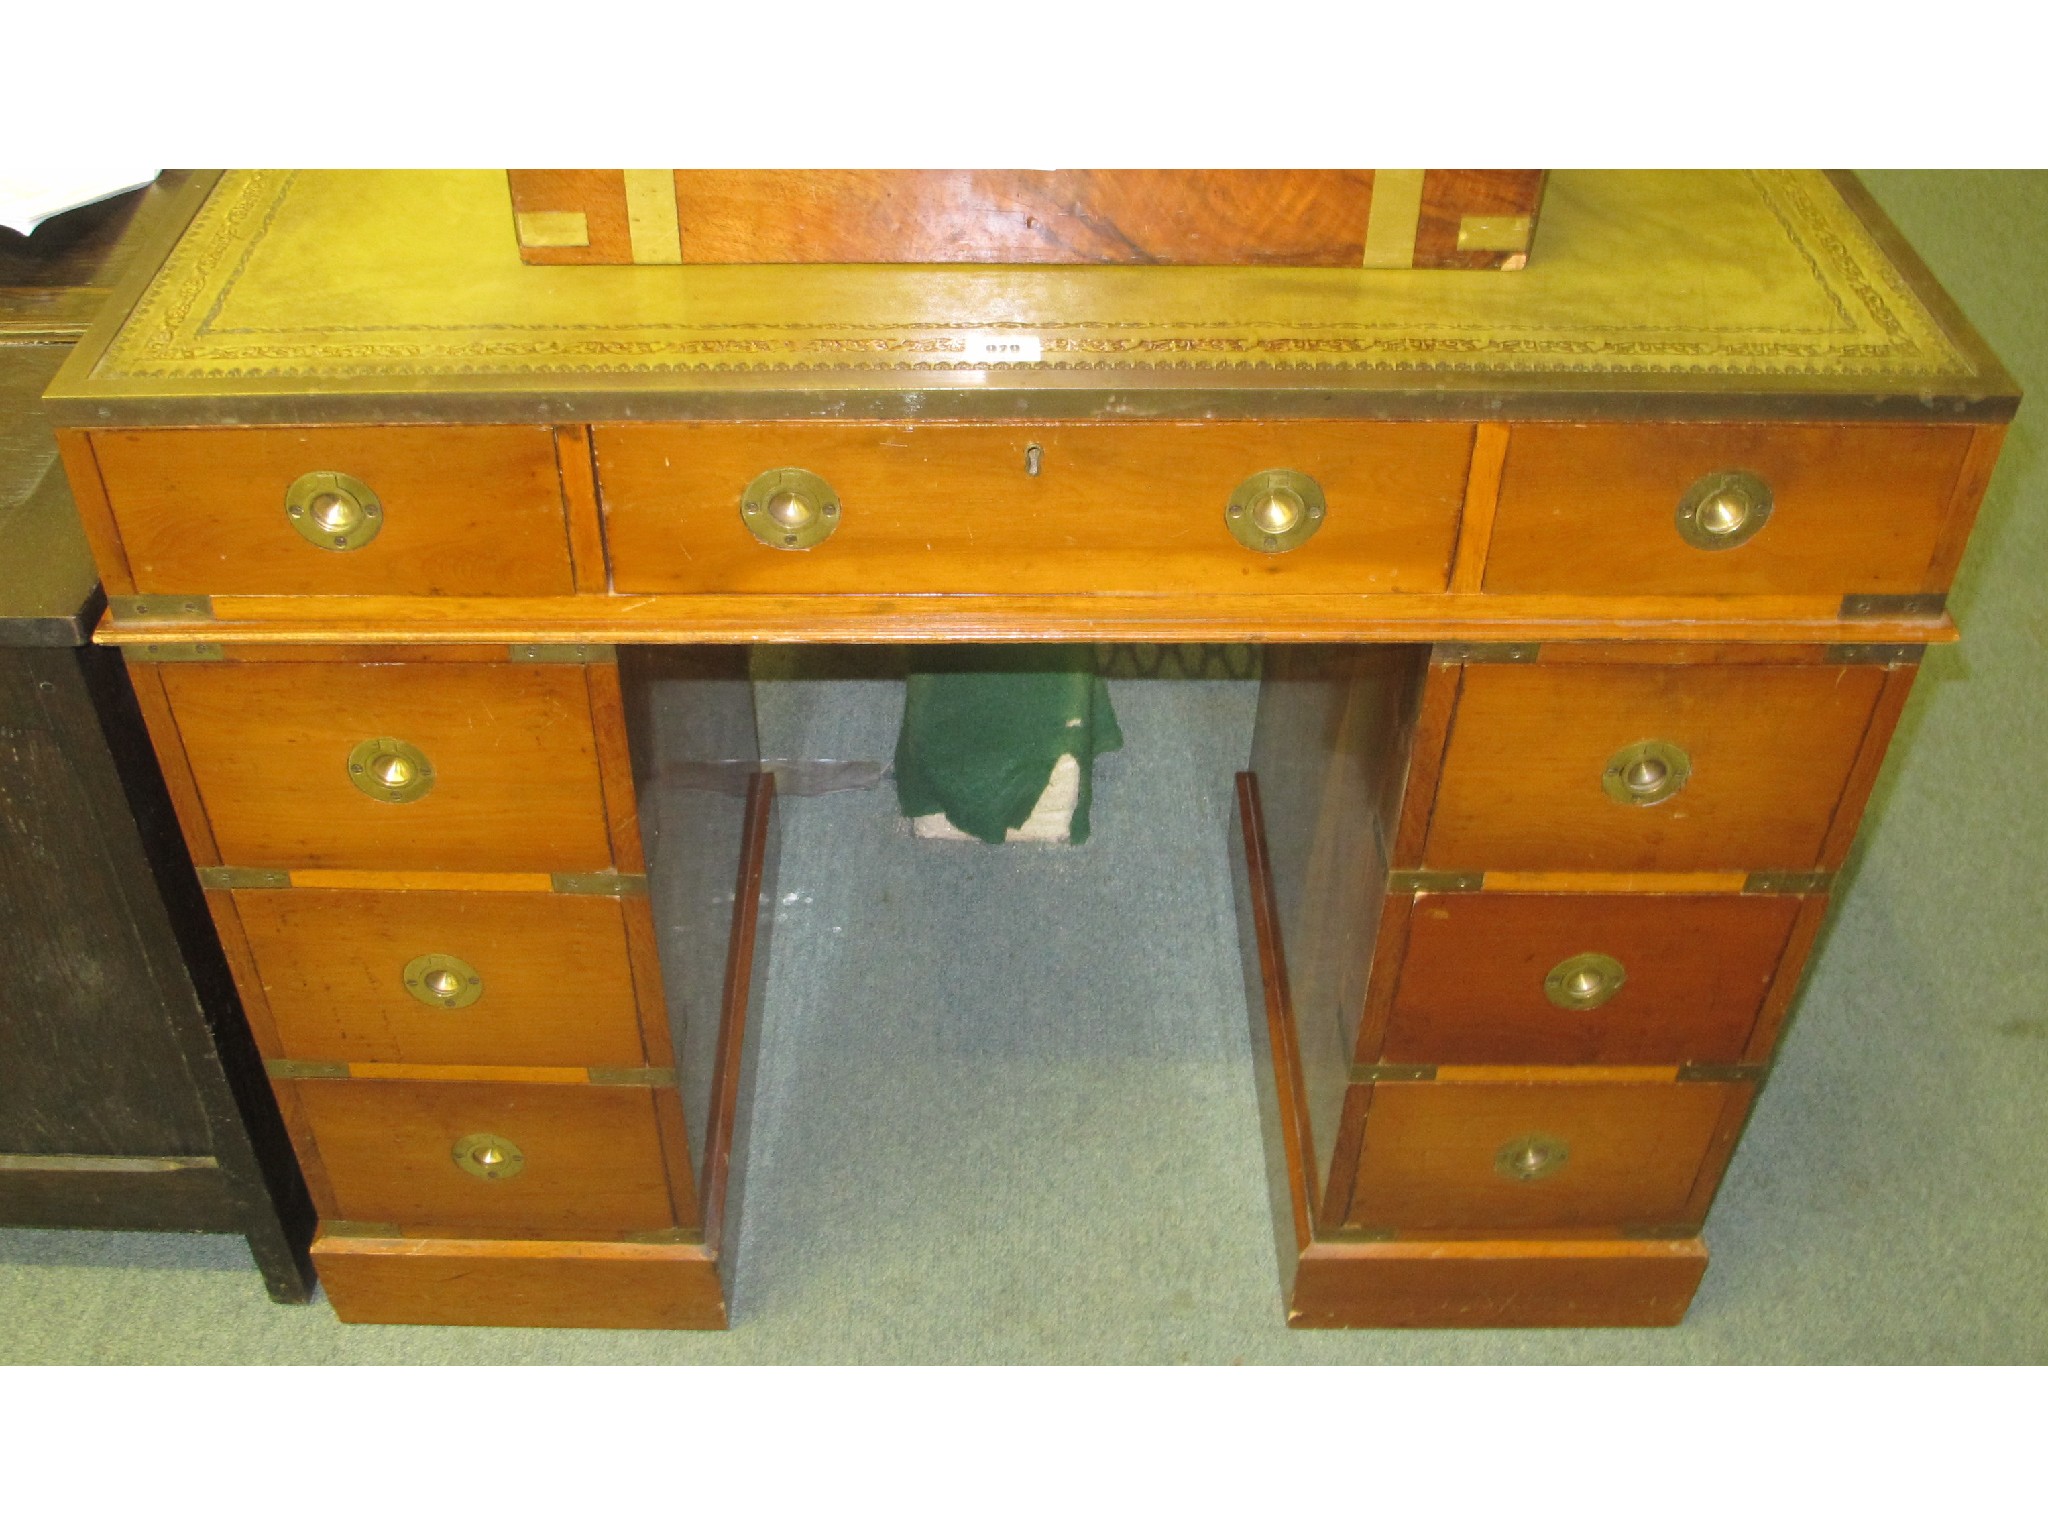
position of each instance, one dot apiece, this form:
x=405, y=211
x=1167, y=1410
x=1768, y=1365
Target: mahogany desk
x=1592, y=594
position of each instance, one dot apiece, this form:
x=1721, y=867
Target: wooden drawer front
x=1770, y=747
x=1623, y=1154
x=515, y=764
x=1115, y=507
x=590, y=1158
x=556, y=985
x=1593, y=509
x=1695, y=973
x=467, y=511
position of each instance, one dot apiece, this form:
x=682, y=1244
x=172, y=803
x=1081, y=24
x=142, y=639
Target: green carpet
x=1005, y=1104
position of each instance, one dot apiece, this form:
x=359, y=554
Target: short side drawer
x=1595, y=509
x=477, y=978
x=460, y=511
x=283, y=753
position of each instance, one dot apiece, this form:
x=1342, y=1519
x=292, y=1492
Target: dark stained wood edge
x=1740, y=1099
x=1345, y=1159
x=1389, y=953
x=643, y=955
x=675, y=1157
x=615, y=766
x=1877, y=736
x=95, y=512
x=1497, y=1284
x=146, y=677
x=2000, y=389
x=501, y=1283
x=1482, y=500
x=738, y=1024
x=1786, y=980
x=1441, y=686
x=576, y=464
x=1980, y=459
x=192, y=1198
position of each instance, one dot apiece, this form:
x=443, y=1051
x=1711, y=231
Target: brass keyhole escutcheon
x=1584, y=981
x=1528, y=1158
x=789, y=509
x=488, y=1156
x=443, y=981
x=1646, y=773
x=1275, y=510
x=333, y=511
x=1724, y=509
x=387, y=769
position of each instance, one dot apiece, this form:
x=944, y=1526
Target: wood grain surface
x=1116, y=507
x=1497, y=1284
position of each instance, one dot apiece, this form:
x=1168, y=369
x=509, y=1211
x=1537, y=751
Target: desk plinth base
x=1495, y=1284
x=502, y=1284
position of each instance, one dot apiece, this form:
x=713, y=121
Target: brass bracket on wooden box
x=241, y=877
x=563, y=655
x=1787, y=882
x=292, y=1069
x=1418, y=880
x=601, y=882
x=1894, y=605
x=163, y=607
x=160, y=650
x=1452, y=652
x=1873, y=655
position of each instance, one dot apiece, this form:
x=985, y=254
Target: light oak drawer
x=1520, y=1156
x=511, y=749
x=950, y=507
x=569, y=1160
x=1673, y=978
x=1766, y=754
x=461, y=511
x=478, y=978
x=1595, y=509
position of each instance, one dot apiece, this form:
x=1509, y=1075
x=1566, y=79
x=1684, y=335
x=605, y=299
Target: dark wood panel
x=170, y=1199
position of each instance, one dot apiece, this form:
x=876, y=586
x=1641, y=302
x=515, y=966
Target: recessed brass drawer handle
x=1275, y=510
x=333, y=511
x=1724, y=509
x=443, y=981
x=789, y=509
x=1531, y=1157
x=488, y=1156
x=1646, y=773
x=1584, y=981
x=387, y=769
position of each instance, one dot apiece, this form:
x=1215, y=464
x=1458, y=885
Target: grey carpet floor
x=1005, y=1110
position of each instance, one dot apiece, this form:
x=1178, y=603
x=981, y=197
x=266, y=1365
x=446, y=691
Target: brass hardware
x=442, y=981
x=1392, y=1072
x=240, y=877
x=603, y=882
x=1449, y=652
x=1873, y=655
x=331, y=510
x=1781, y=882
x=1720, y=1072
x=552, y=230
x=789, y=509
x=1584, y=981
x=1405, y=881
x=291, y=1069
x=632, y=1077
x=488, y=1156
x=1894, y=605
x=358, y=1229
x=197, y=650
x=1034, y=456
x=161, y=606
x=1531, y=1157
x=1646, y=773
x=1275, y=510
x=1482, y=232
x=1392, y=218
x=1723, y=509
x=563, y=655
x=387, y=769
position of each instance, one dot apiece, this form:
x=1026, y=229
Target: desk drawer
x=458, y=511
x=1595, y=509
x=282, y=752
x=1763, y=754
x=1637, y=978
x=951, y=507
x=565, y=1160
x=1547, y=1155
x=521, y=978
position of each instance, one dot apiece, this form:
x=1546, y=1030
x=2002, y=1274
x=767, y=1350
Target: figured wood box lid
x=310, y=296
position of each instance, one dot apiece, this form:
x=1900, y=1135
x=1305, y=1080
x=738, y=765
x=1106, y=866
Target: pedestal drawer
x=507, y=1159
x=478, y=978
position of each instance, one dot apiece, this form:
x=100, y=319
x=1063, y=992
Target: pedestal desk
x=1591, y=594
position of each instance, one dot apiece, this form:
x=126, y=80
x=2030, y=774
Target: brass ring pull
x=789, y=509
x=1646, y=773
x=333, y=511
x=1529, y=1158
x=1584, y=981
x=387, y=769
x=1275, y=510
x=488, y=1157
x=1724, y=509
x=443, y=981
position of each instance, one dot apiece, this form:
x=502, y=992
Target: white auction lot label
x=1002, y=347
